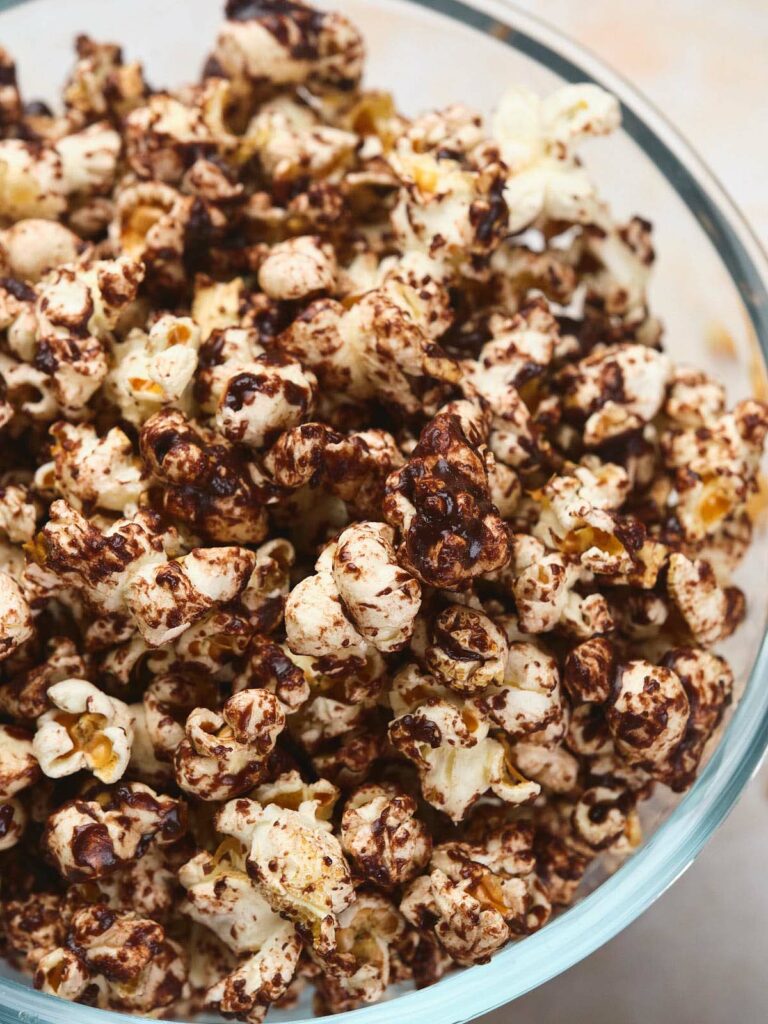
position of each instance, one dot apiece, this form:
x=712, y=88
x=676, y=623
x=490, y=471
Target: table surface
x=699, y=955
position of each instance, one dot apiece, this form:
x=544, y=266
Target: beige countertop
x=698, y=956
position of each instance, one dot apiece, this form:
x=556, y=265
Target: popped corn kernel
x=84, y=729
x=440, y=503
x=224, y=754
x=88, y=839
x=298, y=865
x=387, y=843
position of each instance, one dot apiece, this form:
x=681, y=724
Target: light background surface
x=700, y=955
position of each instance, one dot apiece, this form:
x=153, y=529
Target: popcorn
x=604, y=818
x=360, y=596
x=468, y=651
x=124, y=572
x=292, y=144
x=710, y=612
x=693, y=398
x=282, y=44
x=457, y=759
x=30, y=248
x=167, y=702
x=340, y=446
x=221, y=896
x=224, y=755
x=10, y=99
x=101, y=83
x=528, y=702
x=19, y=767
x=578, y=517
x=154, y=371
x=263, y=398
x=553, y=768
x=84, y=729
x=17, y=513
x=15, y=616
x=708, y=683
x=368, y=936
x=374, y=349
x=451, y=204
x=37, y=180
x=297, y=864
x=126, y=959
x=93, y=472
x=354, y=468
x=441, y=504
x=206, y=482
x=76, y=308
x=13, y=822
x=474, y=898
x=715, y=465
x=165, y=137
x=88, y=839
x=151, y=223
x=589, y=671
x=537, y=138
x=382, y=835
x=33, y=925
x=297, y=268
x=648, y=713
x=25, y=696
x=521, y=348
x=614, y=390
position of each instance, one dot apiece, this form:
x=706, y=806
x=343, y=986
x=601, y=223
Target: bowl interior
x=705, y=288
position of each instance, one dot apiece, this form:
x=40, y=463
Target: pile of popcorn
x=363, y=554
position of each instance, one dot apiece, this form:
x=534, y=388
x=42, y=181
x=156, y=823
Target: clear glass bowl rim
x=674, y=846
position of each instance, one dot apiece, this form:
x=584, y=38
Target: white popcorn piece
x=476, y=895
x=89, y=839
x=369, y=932
x=298, y=268
x=468, y=652
x=224, y=755
x=528, y=704
x=262, y=398
x=605, y=818
x=359, y=596
x=648, y=713
x=710, y=611
x=221, y=896
x=298, y=866
x=383, y=836
x=615, y=389
x=166, y=136
x=85, y=729
x=166, y=599
x=19, y=767
x=124, y=960
x=449, y=743
x=18, y=514
x=290, y=142
x=288, y=46
x=715, y=465
x=93, y=472
x=76, y=308
x=156, y=369
x=30, y=248
x=374, y=349
x=15, y=616
x=537, y=139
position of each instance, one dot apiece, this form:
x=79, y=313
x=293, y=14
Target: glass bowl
x=711, y=281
